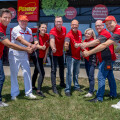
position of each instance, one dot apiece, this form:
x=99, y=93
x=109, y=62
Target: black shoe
x=55, y=90
x=67, y=94
x=63, y=85
x=34, y=88
x=41, y=94
x=94, y=100
x=79, y=90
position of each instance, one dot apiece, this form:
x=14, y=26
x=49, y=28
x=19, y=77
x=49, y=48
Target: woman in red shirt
x=42, y=41
x=90, y=62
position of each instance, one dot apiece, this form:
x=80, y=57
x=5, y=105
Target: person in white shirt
x=21, y=35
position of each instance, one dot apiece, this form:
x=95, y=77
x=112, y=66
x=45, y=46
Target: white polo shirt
x=16, y=32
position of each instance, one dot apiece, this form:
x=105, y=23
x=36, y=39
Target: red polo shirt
x=74, y=38
x=3, y=31
x=86, y=40
x=59, y=40
x=116, y=34
x=104, y=35
x=43, y=40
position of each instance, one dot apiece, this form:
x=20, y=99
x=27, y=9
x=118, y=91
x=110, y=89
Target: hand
x=85, y=53
x=44, y=60
x=29, y=50
x=83, y=45
x=43, y=47
x=54, y=50
x=34, y=47
x=66, y=46
x=77, y=45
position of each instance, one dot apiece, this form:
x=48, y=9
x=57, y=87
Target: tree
x=54, y=7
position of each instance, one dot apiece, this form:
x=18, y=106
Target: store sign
x=100, y=12
x=29, y=8
x=13, y=11
x=70, y=13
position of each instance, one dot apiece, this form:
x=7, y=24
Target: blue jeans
x=102, y=75
x=2, y=78
x=90, y=69
x=73, y=66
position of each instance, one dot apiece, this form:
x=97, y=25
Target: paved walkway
x=47, y=72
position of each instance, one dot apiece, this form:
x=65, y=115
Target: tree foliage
x=54, y=7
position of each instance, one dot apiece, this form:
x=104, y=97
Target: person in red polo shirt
x=73, y=57
x=41, y=39
x=112, y=26
x=57, y=36
x=106, y=59
x=5, y=18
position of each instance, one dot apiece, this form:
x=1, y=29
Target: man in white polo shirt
x=21, y=35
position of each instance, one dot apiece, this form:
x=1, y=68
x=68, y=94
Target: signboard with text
x=70, y=13
x=29, y=8
x=100, y=12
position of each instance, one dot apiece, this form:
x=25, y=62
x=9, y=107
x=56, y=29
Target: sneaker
x=79, y=90
x=67, y=94
x=94, y=100
x=88, y=95
x=31, y=96
x=2, y=104
x=41, y=94
x=116, y=106
x=13, y=98
x=55, y=90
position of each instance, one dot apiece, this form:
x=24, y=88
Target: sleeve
x=15, y=33
x=102, y=38
x=52, y=36
x=115, y=37
x=67, y=39
x=2, y=36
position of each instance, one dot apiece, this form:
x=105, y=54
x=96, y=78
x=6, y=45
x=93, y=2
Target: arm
x=44, y=60
x=24, y=42
x=99, y=48
x=39, y=46
x=7, y=43
x=52, y=43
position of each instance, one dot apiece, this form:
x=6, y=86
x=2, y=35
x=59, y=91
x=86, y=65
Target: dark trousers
x=2, y=78
x=90, y=69
x=35, y=73
x=60, y=61
x=38, y=69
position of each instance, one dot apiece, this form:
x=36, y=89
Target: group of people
x=93, y=48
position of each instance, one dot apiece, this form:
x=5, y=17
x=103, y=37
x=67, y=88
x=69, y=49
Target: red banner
x=29, y=8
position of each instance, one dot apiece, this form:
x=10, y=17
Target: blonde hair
x=93, y=33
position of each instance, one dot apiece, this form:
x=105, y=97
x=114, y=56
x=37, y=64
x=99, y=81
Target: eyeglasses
x=98, y=25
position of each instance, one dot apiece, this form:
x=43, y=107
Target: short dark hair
x=58, y=17
x=3, y=10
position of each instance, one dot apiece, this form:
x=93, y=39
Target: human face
x=111, y=25
x=43, y=29
x=99, y=26
x=23, y=24
x=5, y=19
x=58, y=23
x=88, y=34
x=74, y=26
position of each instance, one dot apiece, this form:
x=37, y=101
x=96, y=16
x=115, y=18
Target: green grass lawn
x=58, y=107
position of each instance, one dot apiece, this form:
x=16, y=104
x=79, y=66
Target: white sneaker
x=31, y=96
x=2, y=104
x=13, y=98
x=116, y=106
x=88, y=95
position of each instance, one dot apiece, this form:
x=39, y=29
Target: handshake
x=33, y=47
